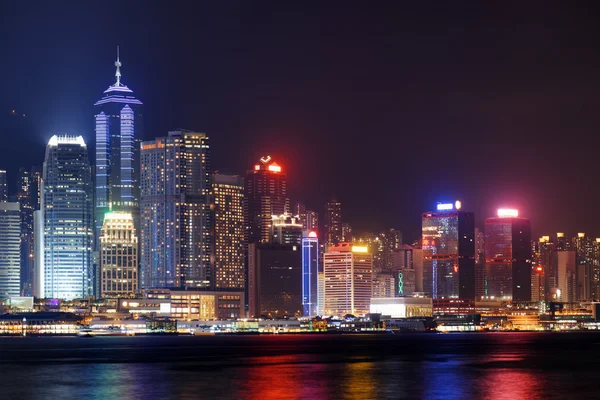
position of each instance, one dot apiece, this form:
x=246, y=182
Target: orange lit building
x=348, y=275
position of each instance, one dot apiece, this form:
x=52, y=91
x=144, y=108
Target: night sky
x=392, y=107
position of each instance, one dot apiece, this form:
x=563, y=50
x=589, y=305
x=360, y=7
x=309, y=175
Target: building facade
x=348, y=279
x=25, y=199
x=266, y=195
x=10, y=249
x=310, y=274
x=333, y=222
x=175, y=211
x=227, y=203
x=274, y=280
x=119, y=255
x=68, y=215
x=118, y=127
x=449, y=253
x=508, y=257
x=3, y=186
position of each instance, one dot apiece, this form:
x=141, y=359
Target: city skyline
x=402, y=88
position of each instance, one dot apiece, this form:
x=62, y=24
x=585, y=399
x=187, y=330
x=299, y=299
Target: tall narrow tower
x=67, y=207
x=118, y=121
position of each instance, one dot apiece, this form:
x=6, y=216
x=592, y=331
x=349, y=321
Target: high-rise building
x=567, y=284
x=537, y=284
x=227, y=203
x=596, y=270
x=348, y=274
x=508, y=256
x=118, y=126
x=310, y=274
x=479, y=264
x=286, y=229
x=449, y=252
x=118, y=255
x=384, y=285
x=3, y=186
x=333, y=222
x=266, y=195
x=175, y=211
x=388, y=242
x=584, y=246
x=274, y=280
x=67, y=206
x=347, y=232
x=24, y=197
x=548, y=260
x=10, y=253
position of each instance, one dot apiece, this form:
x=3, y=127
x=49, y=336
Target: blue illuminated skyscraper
x=449, y=252
x=310, y=273
x=67, y=207
x=118, y=121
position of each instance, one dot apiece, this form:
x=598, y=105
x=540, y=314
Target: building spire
x=118, y=65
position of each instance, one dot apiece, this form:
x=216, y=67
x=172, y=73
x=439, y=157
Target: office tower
x=333, y=222
x=118, y=122
x=548, y=260
x=584, y=246
x=175, y=211
x=562, y=243
x=596, y=270
x=346, y=232
x=508, y=256
x=321, y=291
x=384, y=285
x=227, y=207
x=310, y=274
x=348, y=274
x=389, y=241
x=3, y=186
x=274, y=280
x=406, y=283
x=67, y=205
x=24, y=197
x=36, y=186
x=286, y=229
x=266, y=195
x=567, y=261
x=537, y=283
x=10, y=249
x=418, y=267
x=449, y=252
x=479, y=264
x=118, y=255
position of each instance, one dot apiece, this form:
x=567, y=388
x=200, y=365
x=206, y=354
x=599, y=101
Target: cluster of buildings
x=151, y=228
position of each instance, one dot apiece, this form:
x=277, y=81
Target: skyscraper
x=175, y=211
x=333, y=222
x=118, y=255
x=274, y=280
x=266, y=195
x=449, y=252
x=567, y=284
x=3, y=186
x=584, y=246
x=67, y=204
x=25, y=199
x=228, y=231
x=118, y=121
x=10, y=254
x=348, y=275
x=286, y=229
x=508, y=256
x=310, y=274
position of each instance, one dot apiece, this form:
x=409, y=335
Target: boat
x=108, y=331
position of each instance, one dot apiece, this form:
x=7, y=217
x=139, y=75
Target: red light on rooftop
x=312, y=234
x=274, y=168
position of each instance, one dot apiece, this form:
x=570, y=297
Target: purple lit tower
x=118, y=121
